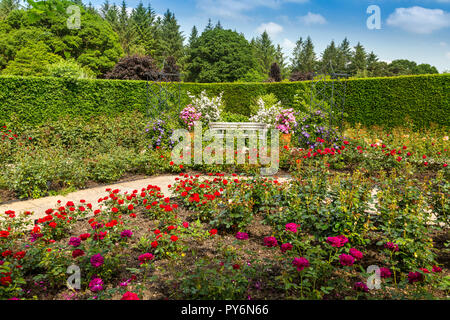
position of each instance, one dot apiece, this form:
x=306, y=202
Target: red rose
x=77, y=253
x=130, y=296
x=84, y=236
x=19, y=255
x=5, y=281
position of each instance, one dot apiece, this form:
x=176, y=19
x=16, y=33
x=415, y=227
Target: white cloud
x=443, y=44
x=312, y=18
x=448, y=55
x=288, y=45
x=419, y=20
x=271, y=28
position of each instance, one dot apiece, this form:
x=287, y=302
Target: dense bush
x=42, y=29
x=374, y=101
x=135, y=67
x=275, y=72
x=301, y=76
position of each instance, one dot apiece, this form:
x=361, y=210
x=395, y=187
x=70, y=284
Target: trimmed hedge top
x=423, y=99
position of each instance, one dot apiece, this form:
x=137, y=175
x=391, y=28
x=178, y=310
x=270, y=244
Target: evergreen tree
x=304, y=57
x=171, y=39
x=280, y=59
x=372, y=64
x=123, y=16
x=193, y=37
x=209, y=25
x=92, y=9
x=359, y=60
x=380, y=69
x=142, y=22
x=330, y=58
x=104, y=9
x=296, y=55
x=6, y=6
x=111, y=14
x=344, y=57
x=308, y=56
x=265, y=53
x=124, y=29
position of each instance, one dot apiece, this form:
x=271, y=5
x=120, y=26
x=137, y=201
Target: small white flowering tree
x=266, y=114
x=210, y=108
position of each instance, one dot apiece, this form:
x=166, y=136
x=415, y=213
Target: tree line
x=115, y=43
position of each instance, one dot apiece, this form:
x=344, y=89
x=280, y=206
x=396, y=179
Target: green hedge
x=372, y=101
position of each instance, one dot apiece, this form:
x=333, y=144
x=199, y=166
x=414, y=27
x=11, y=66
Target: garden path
x=39, y=206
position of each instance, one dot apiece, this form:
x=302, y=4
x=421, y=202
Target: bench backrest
x=246, y=128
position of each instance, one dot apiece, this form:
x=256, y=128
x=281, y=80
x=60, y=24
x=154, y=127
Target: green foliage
x=219, y=55
x=252, y=76
x=33, y=60
x=210, y=279
x=359, y=60
x=95, y=45
x=171, y=39
x=304, y=58
x=233, y=117
x=264, y=52
x=6, y=6
x=69, y=69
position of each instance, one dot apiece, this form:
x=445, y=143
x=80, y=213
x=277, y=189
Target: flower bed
x=224, y=237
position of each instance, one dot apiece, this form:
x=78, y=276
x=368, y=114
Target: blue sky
x=414, y=30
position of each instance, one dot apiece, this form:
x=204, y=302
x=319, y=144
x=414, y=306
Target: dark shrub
x=301, y=76
x=275, y=72
x=134, y=67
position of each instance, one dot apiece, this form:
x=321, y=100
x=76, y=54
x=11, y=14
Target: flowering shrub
x=266, y=112
x=189, y=115
x=159, y=134
x=312, y=130
x=285, y=121
x=209, y=108
x=218, y=201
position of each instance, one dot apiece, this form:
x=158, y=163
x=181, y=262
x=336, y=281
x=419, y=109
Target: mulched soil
x=7, y=196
